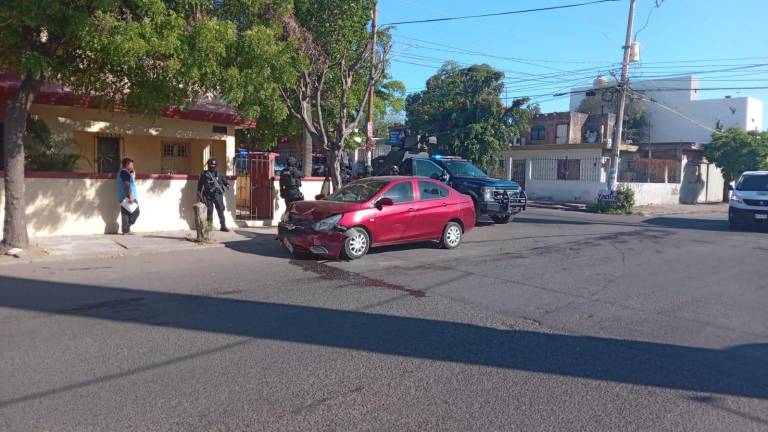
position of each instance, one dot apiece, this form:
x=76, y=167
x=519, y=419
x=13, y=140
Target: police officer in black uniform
x=290, y=182
x=210, y=190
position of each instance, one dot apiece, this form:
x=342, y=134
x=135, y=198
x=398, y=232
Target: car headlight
x=737, y=199
x=487, y=193
x=326, y=224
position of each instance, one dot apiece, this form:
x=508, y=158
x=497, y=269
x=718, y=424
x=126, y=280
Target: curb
x=102, y=255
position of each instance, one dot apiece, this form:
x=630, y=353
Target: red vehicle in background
x=377, y=211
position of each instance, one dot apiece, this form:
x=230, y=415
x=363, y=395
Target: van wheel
x=501, y=219
x=357, y=244
x=452, y=235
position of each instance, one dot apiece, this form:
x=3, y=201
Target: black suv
x=495, y=198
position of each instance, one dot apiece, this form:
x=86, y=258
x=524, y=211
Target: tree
x=139, y=55
x=735, y=151
x=635, y=114
x=335, y=70
x=388, y=104
x=462, y=106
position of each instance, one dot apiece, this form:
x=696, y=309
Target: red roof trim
x=54, y=94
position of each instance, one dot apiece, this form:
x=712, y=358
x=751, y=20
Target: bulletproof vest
x=288, y=180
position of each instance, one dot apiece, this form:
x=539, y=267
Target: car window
x=400, y=193
x=429, y=190
x=462, y=168
x=425, y=168
x=358, y=192
x=753, y=182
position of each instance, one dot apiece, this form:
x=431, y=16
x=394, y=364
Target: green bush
x=625, y=201
x=46, y=153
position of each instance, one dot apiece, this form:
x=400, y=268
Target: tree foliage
x=463, y=108
x=46, y=152
x=735, y=151
x=635, y=114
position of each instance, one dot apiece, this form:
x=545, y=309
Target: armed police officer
x=290, y=182
x=210, y=190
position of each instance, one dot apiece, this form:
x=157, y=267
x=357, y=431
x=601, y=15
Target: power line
x=501, y=13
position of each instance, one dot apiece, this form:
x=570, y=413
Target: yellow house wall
x=65, y=206
x=141, y=136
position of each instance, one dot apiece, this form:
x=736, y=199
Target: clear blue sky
x=545, y=52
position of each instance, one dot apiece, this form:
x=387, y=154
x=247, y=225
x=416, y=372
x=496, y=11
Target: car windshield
x=753, y=182
x=358, y=192
x=462, y=169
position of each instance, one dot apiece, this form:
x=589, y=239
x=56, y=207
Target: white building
x=678, y=115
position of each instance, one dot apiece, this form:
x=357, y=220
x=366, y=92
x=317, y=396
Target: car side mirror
x=730, y=187
x=444, y=176
x=320, y=197
x=381, y=202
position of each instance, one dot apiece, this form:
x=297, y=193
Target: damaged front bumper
x=301, y=238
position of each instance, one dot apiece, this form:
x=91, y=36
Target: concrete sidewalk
x=46, y=249
x=646, y=210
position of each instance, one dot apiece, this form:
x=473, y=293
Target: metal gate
x=518, y=171
x=254, y=187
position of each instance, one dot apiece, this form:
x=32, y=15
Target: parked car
x=377, y=211
x=749, y=200
x=496, y=198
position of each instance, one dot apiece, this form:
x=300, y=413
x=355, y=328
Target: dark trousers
x=217, y=201
x=128, y=219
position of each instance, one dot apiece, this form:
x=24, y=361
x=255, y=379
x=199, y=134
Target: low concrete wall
x=655, y=193
x=564, y=191
x=74, y=204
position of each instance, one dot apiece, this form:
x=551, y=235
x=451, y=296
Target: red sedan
x=377, y=211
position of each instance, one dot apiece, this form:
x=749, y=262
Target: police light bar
x=449, y=157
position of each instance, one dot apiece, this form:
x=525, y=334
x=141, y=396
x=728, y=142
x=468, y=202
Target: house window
x=568, y=169
x=538, y=133
x=107, y=154
x=175, y=158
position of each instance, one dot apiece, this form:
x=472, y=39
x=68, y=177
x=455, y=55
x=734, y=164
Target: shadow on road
x=738, y=371
x=530, y=220
x=688, y=223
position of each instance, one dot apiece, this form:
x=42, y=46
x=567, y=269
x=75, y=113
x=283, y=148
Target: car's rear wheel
x=501, y=219
x=452, y=234
x=357, y=244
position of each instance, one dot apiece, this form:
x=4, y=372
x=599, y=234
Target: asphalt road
x=557, y=321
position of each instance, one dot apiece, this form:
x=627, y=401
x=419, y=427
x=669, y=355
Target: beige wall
x=141, y=137
x=309, y=188
x=62, y=206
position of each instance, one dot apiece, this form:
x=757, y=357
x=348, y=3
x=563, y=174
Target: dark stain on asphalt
x=110, y=304
x=336, y=274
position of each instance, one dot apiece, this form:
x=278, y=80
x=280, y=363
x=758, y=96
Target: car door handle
x=445, y=204
x=411, y=209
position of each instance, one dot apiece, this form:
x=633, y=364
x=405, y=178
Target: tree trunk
x=308, y=149
x=15, y=224
x=335, y=166
x=726, y=191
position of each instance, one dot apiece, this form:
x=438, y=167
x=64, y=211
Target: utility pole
x=369, y=124
x=613, y=177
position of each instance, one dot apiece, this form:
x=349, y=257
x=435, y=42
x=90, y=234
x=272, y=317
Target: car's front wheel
x=452, y=235
x=357, y=244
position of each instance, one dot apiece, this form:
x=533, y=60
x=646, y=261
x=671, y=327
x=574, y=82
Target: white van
x=749, y=200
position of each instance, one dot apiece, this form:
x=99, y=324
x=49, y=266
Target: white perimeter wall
x=73, y=206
